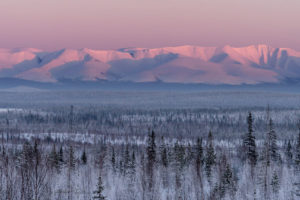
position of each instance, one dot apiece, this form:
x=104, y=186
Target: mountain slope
x=183, y=64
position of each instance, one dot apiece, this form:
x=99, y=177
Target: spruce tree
x=37, y=181
x=27, y=154
x=61, y=155
x=189, y=154
x=210, y=158
x=227, y=176
x=228, y=180
x=226, y=184
x=179, y=163
x=272, y=142
x=151, y=148
x=164, y=156
x=70, y=167
x=297, y=165
x=199, y=156
x=53, y=158
x=35, y=148
x=71, y=160
x=25, y=165
x=289, y=153
x=36, y=154
x=179, y=152
x=71, y=118
x=249, y=142
x=199, y=162
x=270, y=154
x=297, y=151
x=113, y=159
x=132, y=164
x=163, y=153
x=275, y=182
x=164, y=159
x=151, y=155
x=84, y=157
x=98, y=193
x=126, y=160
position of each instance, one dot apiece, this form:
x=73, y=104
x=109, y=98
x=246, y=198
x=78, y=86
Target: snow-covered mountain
x=181, y=64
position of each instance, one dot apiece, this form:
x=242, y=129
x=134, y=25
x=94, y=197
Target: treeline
x=199, y=169
x=185, y=123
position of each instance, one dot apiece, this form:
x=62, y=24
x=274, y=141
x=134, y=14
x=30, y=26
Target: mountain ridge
x=252, y=64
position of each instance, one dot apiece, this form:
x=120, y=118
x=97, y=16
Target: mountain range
x=182, y=64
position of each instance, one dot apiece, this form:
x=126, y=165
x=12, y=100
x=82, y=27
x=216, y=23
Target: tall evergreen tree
x=26, y=161
x=227, y=180
x=132, y=164
x=289, y=153
x=53, y=158
x=249, y=142
x=164, y=156
x=199, y=162
x=113, y=159
x=61, y=155
x=71, y=159
x=163, y=153
x=189, y=154
x=151, y=155
x=126, y=158
x=199, y=156
x=179, y=153
x=272, y=140
x=151, y=148
x=84, y=157
x=297, y=150
x=210, y=158
x=98, y=193
x=164, y=160
x=270, y=154
x=71, y=118
x=38, y=178
x=179, y=164
x=275, y=183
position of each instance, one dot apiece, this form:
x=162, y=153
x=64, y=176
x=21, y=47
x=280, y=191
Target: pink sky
x=112, y=24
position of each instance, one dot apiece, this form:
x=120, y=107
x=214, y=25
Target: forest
x=84, y=152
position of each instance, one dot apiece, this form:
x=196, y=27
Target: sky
x=113, y=24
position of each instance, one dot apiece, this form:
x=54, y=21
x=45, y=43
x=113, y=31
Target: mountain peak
x=184, y=64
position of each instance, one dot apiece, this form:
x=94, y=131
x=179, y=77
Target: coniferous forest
x=84, y=152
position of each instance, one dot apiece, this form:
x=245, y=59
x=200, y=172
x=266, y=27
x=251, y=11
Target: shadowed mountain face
x=182, y=64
